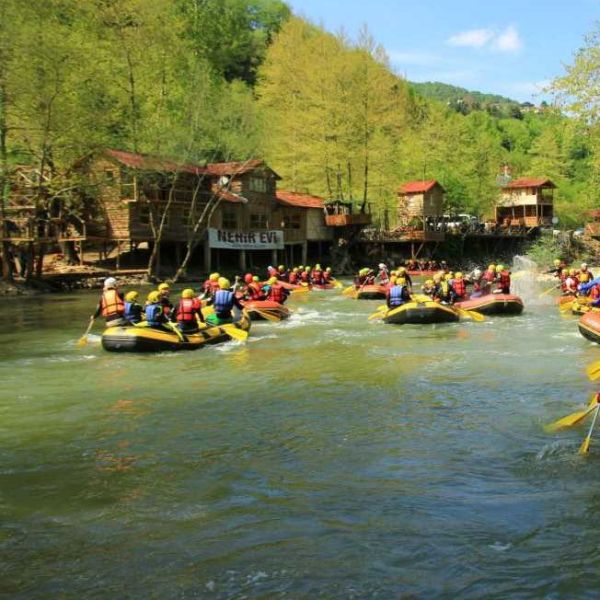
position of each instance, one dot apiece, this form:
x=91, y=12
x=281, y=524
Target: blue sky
x=507, y=47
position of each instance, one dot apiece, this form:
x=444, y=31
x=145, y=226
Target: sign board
x=245, y=240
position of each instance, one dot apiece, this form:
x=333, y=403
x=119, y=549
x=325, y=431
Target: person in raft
x=384, y=274
x=133, y=310
x=428, y=288
x=211, y=285
x=557, y=268
x=188, y=312
x=398, y=294
x=164, y=290
x=487, y=279
x=585, y=275
x=153, y=311
x=223, y=302
x=503, y=280
x=459, y=287
x=443, y=290
x=111, y=304
x=274, y=291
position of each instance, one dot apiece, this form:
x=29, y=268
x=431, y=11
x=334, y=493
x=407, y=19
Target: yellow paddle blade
x=472, y=314
x=570, y=420
x=349, y=290
x=378, y=315
x=585, y=446
x=235, y=333
x=301, y=290
x=593, y=371
x=338, y=284
x=83, y=340
x=545, y=292
x=382, y=307
x=566, y=306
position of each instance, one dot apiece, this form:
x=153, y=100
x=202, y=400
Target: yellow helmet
x=318, y=267
x=281, y=268
x=307, y=268
x=492, y=267
x=153, y=296
x=224, y=283
x=328, y=269
x=163, y=287
x=429, y=282
x=499, y=268
x=131, y=296
x=556, y=262
x=401, y=270
x=255, y=278
x=187, y=293
x=572, y=272
x=214, y=277
x=448, y=276
x=295, y=270
x=300, y=267
x=458, y=275
x=393, y=280
x=437, y=277
x=272, y=280
x=394, y=273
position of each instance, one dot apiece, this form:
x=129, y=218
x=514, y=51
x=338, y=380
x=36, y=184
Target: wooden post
x=118, y=262
x=81, y=263
x=304, y=252
x=207, y=256
x=243, y=260
x=274, y=258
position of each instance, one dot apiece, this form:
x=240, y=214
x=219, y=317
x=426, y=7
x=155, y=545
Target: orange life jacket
x=276, y=293
x=111, y=303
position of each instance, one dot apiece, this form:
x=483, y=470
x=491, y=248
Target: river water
x=329, y=457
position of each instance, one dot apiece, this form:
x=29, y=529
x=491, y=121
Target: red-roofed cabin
x=301, y=216
x=420, y=209
x=526, y=202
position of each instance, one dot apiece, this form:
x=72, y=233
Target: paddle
x=232, y=331
x=173, y=327
x=585, y=446
x=547, y=291
x=472, y=314
x=593, y=371
x=574, y=418
x=566, y=306
x=337, y=284
x=349, y=290
x=302, y=290
x=380, y=314
x=83, y=340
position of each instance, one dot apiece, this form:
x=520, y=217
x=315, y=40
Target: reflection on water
x=329, y=457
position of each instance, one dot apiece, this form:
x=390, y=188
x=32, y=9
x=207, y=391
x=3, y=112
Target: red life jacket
x=255, y=290
x=316, y=276
x=489, y=276
x=595, y=292
x=383, y=276
x=293, y=278
x=111, y=303
x=276, y=293
x=460, y=287
x=504, y=281
x=188, y=307
x=210, y=287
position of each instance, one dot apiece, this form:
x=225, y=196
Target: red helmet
x=248, y=277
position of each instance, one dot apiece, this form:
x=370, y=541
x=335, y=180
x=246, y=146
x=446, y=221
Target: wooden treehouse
x=526, y=203
x=340, y=214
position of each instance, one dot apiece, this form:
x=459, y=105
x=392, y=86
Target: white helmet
x=584, y=266
x=110, y=282
x=477, y=273
x=382, y=266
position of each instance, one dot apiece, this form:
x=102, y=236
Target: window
x=144, y=215
x=109, y=175
x=258, y=184
x=229, y=220
x=291, y=222
x=258, y=221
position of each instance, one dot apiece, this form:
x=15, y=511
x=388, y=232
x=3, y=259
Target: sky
x=508, y=47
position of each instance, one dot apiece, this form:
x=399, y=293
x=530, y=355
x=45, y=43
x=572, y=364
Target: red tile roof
x=525, y=182
x=418, y=187
x=299, y=199
x=153, y=163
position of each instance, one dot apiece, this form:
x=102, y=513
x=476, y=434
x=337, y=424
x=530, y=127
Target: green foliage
x=545, y=250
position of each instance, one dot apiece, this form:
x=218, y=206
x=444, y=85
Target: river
x=329, y=457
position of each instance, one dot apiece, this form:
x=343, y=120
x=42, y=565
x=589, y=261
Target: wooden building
x=526, y=202
x=245, y=222
x=420, y=211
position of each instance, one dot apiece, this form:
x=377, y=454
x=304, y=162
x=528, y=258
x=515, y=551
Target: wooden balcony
x=360, y=219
